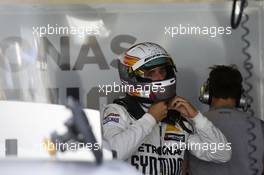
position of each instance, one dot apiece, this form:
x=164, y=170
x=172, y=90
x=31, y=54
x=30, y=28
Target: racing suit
x=156, y=147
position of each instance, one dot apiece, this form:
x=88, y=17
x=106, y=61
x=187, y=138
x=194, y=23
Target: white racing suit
x=154, y=148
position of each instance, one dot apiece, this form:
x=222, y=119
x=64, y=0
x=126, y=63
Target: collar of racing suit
x=137, y=110
x=132, y=106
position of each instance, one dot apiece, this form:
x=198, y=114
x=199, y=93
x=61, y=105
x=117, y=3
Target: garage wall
x=50, y=67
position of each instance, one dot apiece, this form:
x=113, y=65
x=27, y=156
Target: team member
x=224, y=93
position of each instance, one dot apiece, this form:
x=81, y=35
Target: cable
x=248, y=66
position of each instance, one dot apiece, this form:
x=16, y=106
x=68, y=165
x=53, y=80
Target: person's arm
x=213, y=145
x=125, y=137
x=206, y=138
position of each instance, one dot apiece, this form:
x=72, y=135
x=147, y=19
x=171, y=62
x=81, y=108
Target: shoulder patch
x=111, y=117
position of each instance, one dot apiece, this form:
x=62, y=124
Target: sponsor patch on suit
x=111, y=118
x=174, y=137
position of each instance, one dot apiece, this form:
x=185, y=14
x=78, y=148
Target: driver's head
x=156, y=74
x=148, y=64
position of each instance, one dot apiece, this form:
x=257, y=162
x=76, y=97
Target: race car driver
x=151, y=127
